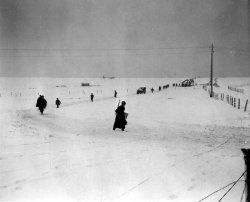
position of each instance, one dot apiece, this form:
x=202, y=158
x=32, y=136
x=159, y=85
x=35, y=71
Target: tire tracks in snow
x=211, y=150
x=148, y=179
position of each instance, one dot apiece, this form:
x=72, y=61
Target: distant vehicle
x=85, y=84
x=187, y=83
x=141, y=90
x=111, y=77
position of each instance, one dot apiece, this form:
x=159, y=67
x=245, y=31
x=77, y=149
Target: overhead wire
x=101, y=49
x=137, y=52
x=233, y=49
x=232, y=53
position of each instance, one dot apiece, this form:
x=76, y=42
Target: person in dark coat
x=41, y=103
x=58, y=102
x=115, y=93
x=152, y=90
x=120, y=119
x=92, y=97
x=38, y=100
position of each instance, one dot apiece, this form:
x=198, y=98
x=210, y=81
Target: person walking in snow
x=115, y=94
x=41, y=103
x=92, y=97
x=58, y=102
x=38, y=100
x=121, y=115
x=152, y=90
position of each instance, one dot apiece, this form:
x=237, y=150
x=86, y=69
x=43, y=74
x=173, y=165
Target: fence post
x=246, y=106
x=246, y=153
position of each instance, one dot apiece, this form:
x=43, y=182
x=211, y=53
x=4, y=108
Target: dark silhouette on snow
x=152, y=90
x=41, y=103
x=58, y=102
x=115, y=93
x=141, y=90
x=92, y=97
x=121, y=115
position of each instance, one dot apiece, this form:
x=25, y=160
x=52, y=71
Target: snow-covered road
x=179, y=145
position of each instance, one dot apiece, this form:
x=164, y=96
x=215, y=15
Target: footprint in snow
x=172, y=197
x=19, y=181
x=4, y=186
x=191, y=188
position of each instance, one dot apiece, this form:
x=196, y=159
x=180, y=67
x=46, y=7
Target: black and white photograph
x=124, y=100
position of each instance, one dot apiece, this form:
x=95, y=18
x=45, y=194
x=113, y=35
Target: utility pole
x=211, y=74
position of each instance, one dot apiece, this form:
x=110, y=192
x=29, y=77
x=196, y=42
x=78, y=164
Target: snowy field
x=180, y=145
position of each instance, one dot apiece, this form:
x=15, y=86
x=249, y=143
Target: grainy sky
x=123, y=38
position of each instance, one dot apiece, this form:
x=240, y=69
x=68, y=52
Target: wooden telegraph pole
x=246, y=153
x=211, y=74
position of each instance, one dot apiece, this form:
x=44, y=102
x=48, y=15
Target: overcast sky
x=123, y=38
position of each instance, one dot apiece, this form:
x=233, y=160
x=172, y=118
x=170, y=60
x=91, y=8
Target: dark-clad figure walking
x=121, y=115
x=115, y=93
x=58, y=103
x=92, y=97
x=40, y=96
x=41, y=103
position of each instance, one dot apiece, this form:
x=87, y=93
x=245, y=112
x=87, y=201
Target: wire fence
x=232, y=96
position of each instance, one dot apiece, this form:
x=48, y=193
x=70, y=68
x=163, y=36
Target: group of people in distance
x=120, y=119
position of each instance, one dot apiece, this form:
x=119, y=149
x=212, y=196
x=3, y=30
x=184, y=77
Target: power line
x=109, y=55
x=233, y=53
x=102, y=55
x=233, y=49
x=102, y=49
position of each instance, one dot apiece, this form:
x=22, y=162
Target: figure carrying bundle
x=121, y=116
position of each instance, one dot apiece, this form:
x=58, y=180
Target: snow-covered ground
x=180, y=145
